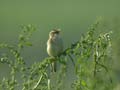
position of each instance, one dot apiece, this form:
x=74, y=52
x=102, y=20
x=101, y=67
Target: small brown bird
x=54, y=46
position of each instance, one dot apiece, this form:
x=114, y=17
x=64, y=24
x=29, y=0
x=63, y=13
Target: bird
x=54, y=46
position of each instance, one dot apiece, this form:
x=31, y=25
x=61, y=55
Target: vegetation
x=90, y=56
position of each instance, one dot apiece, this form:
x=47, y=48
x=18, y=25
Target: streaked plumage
x=54, y=45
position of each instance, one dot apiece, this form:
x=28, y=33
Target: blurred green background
x=73, y=17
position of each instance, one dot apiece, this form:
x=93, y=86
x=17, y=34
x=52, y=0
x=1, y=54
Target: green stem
x=49, y=84
x=71, y=60
x=38, y=82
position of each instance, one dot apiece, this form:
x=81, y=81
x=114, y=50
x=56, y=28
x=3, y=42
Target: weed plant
x=90, y=57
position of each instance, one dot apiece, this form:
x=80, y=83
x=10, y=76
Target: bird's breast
x=52, y=50
x=54, y=46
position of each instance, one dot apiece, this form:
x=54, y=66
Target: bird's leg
x=53, y=64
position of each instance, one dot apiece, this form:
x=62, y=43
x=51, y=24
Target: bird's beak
x=58, y=30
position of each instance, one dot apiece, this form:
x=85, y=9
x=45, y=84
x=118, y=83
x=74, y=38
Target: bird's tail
x=54, y=66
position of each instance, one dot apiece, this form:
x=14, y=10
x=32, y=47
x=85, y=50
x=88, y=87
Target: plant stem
x=38, y=82
x=72, y=59
x=49, y=84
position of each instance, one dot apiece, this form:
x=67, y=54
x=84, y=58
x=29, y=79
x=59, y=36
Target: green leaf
x=83, y=83
x=28, y=43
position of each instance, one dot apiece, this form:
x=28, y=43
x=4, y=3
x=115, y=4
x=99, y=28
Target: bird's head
x=54, y=32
